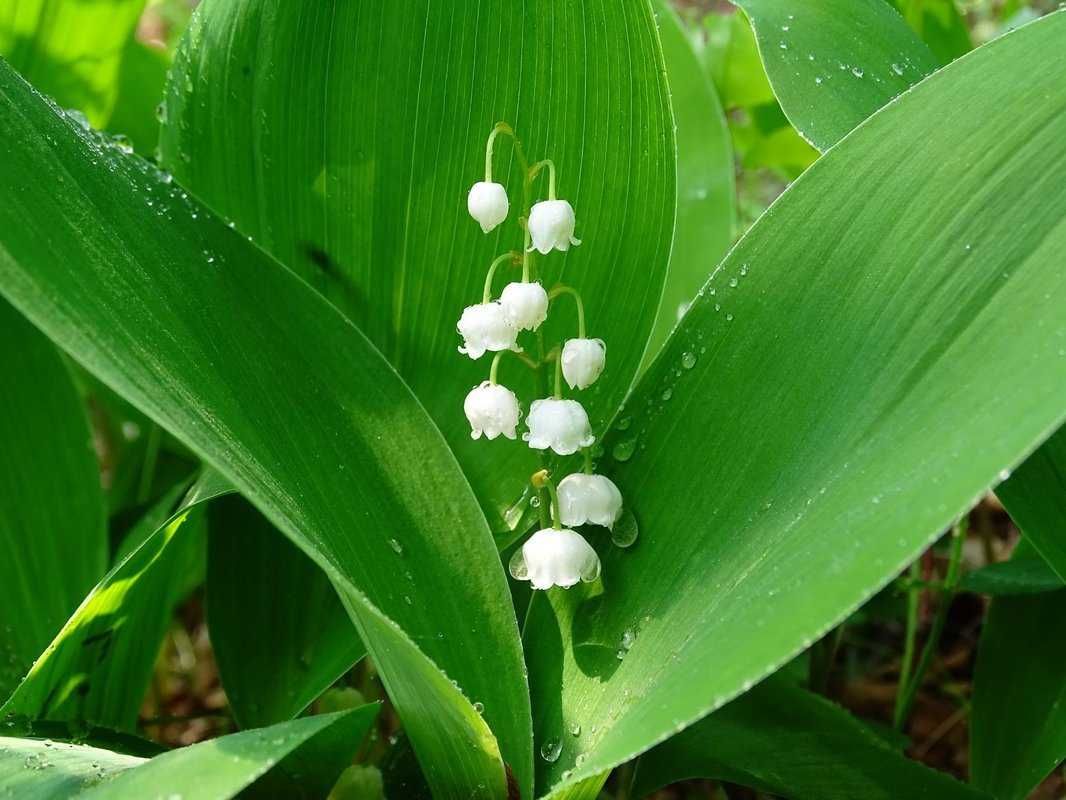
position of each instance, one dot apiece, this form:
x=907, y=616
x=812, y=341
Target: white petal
x=488, y=204
x=485, y=327
x=559, y=558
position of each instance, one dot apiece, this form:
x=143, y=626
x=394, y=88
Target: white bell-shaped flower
x=561, y=425
x=551, y=226
x=583, y=361
x=486, y=327
x=492, y=410
x=589, y=499
x=556, y=558
x=526, y=305
x=488, y=204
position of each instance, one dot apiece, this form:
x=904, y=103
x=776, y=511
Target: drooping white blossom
x=492, y=411
x=561, y=425
x=526, y=305
x=554, y=557
x=583, y=361
x=486, y=327
x=551, y=226
x=589, y=499
x=487, y=203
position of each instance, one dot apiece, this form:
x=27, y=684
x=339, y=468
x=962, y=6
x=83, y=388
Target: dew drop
x=623, y=451
x=575, y=730
x=624, y=423
x=897, y=69
x=733, y=282
x=688, y=360
x=517, y=566
x=667, y=394
x=858, y=73
x=818, y=81
x=396, y=547
x=728, y=317
x=550, y=750
x=479, y=707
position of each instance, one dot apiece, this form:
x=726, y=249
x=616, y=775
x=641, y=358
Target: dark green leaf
x=939, y=24
x=281, y=637
x=53, y=543
x=786, y=741
x=229, y=351
x=1027, y=572
x=833, y=63
x=821, y=415
x=70, y=49
x=140, y=96
x=344, y=137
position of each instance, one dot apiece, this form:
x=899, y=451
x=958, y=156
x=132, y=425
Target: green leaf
x=705, y=207
x=53, y=540
x=786, y=741
x=1027, y=572
x=818, y=418
x=281, y=637
x=165, y=303
x=1035, y=497
x=70, y=50
x=832, y=63
x=140, y=95
x=344, y=137
x=1018, y=727
x=939, y=24
x=42, y=769
x=315, y=748
x=98, y=667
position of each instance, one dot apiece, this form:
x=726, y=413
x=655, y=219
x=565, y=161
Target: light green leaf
x=99, y=665
x=1018, y=727
x=1035, y=497
x=70, y=49
x=819, y=419
x=1027, y=572
x=316, y=748
x=42, y=769
x=53, y=540
x=166, y=304
x=344, y=137
x=832, y=63
x=939, y=24
x=783, y=740
x=705, y=207
x=140, y=95
x=281, y=637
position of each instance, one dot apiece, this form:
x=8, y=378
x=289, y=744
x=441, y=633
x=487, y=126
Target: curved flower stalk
x=554, y=556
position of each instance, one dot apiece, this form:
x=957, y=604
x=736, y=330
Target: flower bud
x=561, y=425
x=526, y=305
x=488, y=204
x=589, y=499
x=486, y=327
x=583, y=361
x=492, y=410
x=551, y=226
x=556, y=558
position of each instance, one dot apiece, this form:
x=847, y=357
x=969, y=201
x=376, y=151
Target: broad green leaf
x=705, y=194
x=818, y=417
x=43, y=769
x=1027, y=572
x=1018, y=725
x=784, y=740
x=832, y=63
x=1035, y=497
x=315, y=748
x=98, y=667
x=343, y=137
x=939, y=24
x=53, y=540
x=167, y=305
x=70, y=49
x=140, y=95
x=280, y=635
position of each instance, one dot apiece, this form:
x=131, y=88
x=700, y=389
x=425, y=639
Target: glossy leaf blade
x=53, y=539
x=832, y=63
x=1035, y=497
x=71, y=51
x=705, y=193
x=98, y=667
x=221, y=768
x=168, y=305
x=344, y=137
x=280, y=634
x=38, y=769
x=783, y=740
x=816, y=420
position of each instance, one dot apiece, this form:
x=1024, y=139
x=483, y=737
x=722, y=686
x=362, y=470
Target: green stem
x=559, y=290
x=909, y=641
x=556, y=523
x=951, y=580
x=558, y=394
x=587, y=453
x=495, y=366
x=487, y=294
x=535, y=170
x=823, y=656
x=500, y=127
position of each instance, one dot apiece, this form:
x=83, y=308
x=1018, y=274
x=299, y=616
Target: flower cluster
x=553, y=556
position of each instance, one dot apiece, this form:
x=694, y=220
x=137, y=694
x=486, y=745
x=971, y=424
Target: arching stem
x=535, y=170
x=559, y=290
x=487, y=294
